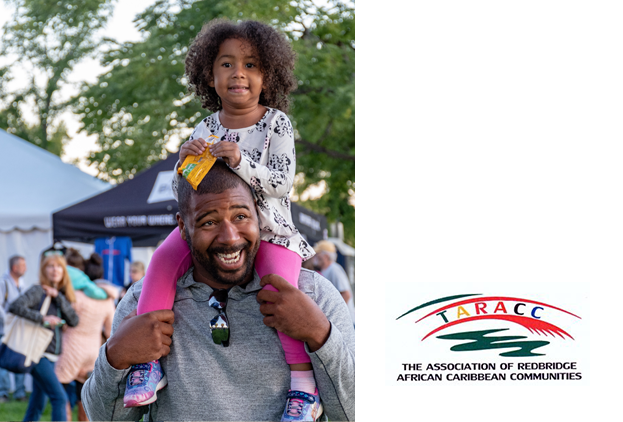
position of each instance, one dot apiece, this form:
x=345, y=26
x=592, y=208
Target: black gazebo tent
x=122, y=211
x=140, y=208
x=312, y=226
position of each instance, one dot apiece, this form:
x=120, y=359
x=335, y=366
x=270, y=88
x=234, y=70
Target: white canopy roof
x=35, y=182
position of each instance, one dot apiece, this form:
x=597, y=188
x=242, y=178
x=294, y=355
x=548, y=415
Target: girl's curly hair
x=275, y=54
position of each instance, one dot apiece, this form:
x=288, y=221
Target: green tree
x=324, y=110
x=143, y=103
x=47, y=39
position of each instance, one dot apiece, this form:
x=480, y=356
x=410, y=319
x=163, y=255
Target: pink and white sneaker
x=302, y=406
x=144, y=380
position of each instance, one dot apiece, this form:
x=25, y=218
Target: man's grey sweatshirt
x=247, y=381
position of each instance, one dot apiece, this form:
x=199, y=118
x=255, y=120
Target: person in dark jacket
x=55, y=282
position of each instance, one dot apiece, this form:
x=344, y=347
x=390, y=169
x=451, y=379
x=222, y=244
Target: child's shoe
x=302, y=406
x=143, y=381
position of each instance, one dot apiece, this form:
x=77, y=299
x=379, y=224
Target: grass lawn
x=15, y=411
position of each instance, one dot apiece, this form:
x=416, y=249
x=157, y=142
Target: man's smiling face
x=222, y=232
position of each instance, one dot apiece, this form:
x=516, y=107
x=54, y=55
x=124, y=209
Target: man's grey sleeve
x=102, y=394
x=334, y=362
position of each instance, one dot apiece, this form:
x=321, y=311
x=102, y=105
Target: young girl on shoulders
x=243, y=73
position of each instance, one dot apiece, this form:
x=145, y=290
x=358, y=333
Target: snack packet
x=195, y=167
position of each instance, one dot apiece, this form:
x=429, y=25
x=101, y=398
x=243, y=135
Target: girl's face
x=54, y=272
x=237, y=77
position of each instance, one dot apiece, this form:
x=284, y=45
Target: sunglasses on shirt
x=219, y=325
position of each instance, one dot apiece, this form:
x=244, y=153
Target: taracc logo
x=534, y=316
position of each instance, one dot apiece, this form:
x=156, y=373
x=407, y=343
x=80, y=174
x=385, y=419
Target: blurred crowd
x=80, y=314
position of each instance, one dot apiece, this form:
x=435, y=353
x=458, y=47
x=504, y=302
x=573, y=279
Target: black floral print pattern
x=281, y=241
x=280, y=163
x=213, y=124
x=268, y=165
x=283, y=126
x=231, y=136
x=256, y=185
x=306, y=251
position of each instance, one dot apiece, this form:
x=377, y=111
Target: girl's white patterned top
x=268, y=165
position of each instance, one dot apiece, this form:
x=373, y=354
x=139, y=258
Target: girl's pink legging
x=172, y=259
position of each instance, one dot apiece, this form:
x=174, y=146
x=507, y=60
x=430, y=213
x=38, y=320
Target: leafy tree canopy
x=142, y=103
x=47, y=39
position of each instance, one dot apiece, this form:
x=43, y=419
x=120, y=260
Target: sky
x=119, y=27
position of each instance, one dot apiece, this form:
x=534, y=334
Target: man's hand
x=140, y=339
x=291, y=312
x=228, y=151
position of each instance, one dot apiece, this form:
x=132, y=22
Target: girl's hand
x=51, y=291
x=194, y=147
x=53, y=320
x=228, y=151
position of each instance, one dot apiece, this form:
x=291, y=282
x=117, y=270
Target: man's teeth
x=229, y=258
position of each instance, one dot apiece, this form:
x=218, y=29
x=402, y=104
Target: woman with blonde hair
x=54, y=282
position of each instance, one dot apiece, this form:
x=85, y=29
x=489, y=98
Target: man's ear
x=180, y=224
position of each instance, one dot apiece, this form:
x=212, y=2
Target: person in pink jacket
x=81, y=344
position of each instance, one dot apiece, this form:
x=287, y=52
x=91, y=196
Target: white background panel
x=489, y=151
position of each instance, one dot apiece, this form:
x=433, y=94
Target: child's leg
x=169, y=262
x=275, y=259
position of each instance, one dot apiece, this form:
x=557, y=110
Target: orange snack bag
x=195, y=167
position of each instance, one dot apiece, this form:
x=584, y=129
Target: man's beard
x=208, y=262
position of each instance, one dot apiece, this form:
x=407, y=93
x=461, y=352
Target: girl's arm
x=27, y=305
x=274, y=179
x=67, y=311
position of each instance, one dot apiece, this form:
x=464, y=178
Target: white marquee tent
x=33, y=184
